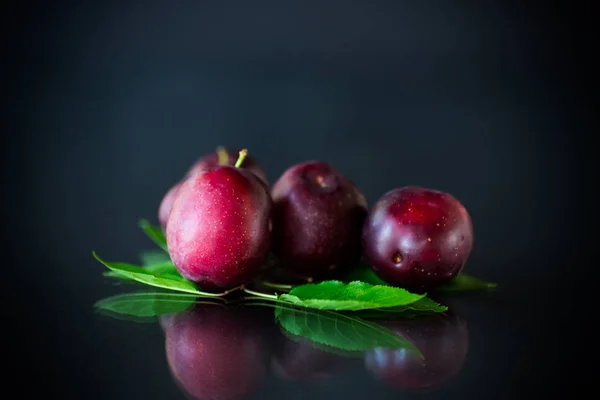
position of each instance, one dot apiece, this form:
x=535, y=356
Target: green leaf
x=424, y=306
x=324, y=347
x=155, y=233
x=339, y=331
x=364, y=273
x=146, y=304
x=464, y=282
x=336, y=295
x=164, y=270
x=152, y=257
x=156, y=261
x=142, y=275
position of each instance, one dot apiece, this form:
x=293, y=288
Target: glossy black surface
x=108, y=104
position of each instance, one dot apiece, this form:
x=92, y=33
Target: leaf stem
x=241, y=158
x=222, y=156
x=258, y=294
x=225, y=293
x=291, y=274
x=279, y=286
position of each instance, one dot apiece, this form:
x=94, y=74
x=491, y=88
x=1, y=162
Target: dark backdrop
x=109, y=103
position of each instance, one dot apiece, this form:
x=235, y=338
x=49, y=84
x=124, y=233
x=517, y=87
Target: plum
x=318, y=215
x=221, y=156
x=220, y=228
x=164, y=210
x=226, y=156
x=217, y=352
x=443, y=341
x=417, y=238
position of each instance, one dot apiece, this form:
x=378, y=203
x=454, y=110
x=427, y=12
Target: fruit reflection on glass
x=299, y=360
x=443, y=341
x=417, y=238
x=218, y=353
x=219, y=228
x=318, y=216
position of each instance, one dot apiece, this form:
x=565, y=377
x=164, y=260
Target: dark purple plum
x=443, y=341
x=225, y=156
x=417, y=238
x=216, y=352
x=318, y=215
x=219, y=230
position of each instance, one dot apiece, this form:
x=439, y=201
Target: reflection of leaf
x=337, y=330
x=155, y=233
x=141, y=275
x=323, y=347
x=464, y=282
x=336, y=295
x=146, y=304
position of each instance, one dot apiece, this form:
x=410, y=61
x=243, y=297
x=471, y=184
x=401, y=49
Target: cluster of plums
x=226, y=353
x=223, y=219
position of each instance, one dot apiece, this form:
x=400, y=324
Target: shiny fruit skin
x=318, y=215
x=217, y=353
x=219, y=230
x=443, y=341
x=417, y=238
x=211, y=160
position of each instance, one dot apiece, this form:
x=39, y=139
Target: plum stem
x=222, y=156
x=258, y=294
x=243, y=154
x=280, y=286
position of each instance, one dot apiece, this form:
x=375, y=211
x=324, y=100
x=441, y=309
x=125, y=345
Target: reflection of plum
x=299, y=360
x=216, y=352
x=443, y=341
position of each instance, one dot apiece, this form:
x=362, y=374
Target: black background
x=108, y=103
